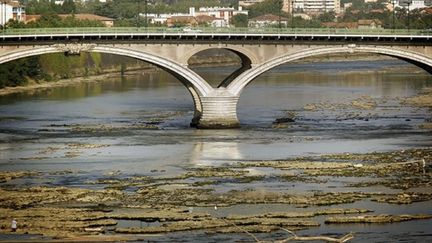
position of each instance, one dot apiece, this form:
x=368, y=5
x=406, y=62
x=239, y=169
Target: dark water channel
x=30, y=123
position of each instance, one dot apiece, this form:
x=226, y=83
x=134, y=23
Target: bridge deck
x=10, y=36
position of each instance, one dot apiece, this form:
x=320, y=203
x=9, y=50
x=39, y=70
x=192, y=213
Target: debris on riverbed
x=289, y=117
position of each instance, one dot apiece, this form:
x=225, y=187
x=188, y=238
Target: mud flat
x=424, y=99
x=168, y=204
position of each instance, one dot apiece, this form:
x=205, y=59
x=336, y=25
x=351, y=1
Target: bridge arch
x=237, y=86
x=247, y=58
x=188, y=77
x=237, y=49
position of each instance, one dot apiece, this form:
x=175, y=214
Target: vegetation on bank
x=16, y=73
x=53, y=67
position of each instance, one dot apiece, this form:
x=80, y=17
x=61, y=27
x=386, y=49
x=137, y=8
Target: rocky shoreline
x=169, y=204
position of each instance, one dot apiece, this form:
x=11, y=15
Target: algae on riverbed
x=169, y=201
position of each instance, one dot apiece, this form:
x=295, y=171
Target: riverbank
x=192, y=201
x=39, y=86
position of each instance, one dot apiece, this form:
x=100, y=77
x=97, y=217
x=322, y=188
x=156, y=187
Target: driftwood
x=345, y=238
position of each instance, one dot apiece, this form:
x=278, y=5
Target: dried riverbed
x=193, y=200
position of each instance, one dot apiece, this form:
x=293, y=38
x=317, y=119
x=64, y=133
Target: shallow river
x=30, y=123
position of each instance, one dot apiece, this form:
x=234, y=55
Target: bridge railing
x=161, y=30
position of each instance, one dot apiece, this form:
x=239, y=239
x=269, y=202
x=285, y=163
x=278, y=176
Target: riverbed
x=137, y=125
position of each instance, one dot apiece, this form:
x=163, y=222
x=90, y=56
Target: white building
x=225, y=13
x=317, y=6
x=306, y=6
x=60, y=2
x=247, y=3
x=5, y=13
x=411, y=4
x=214, y=16
x=11, y=10
x=286, y=4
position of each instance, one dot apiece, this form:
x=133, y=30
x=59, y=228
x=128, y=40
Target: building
x=211, y=21
x=412, y=4
x=60, y=2
x=225, y=13
x=316, y=7
x=248, y=3
x=182, y=21
x=108, y=22
x=369, y=24
x=267, y=20
x=360, y=24
x=306, y=6
x=286, y=4
x=11, y=10
x=212, y=16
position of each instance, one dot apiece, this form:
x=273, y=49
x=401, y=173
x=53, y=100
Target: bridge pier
x=219, y=111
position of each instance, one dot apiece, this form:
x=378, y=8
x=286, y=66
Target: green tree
x=42, y=7
x=240, y=20
x=68, y=7
x=17, y=72
x=327, y=17
x=266, y=7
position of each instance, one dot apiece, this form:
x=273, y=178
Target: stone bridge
x=216, y=107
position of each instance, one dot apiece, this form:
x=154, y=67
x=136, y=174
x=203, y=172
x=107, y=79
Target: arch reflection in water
x=215, y=153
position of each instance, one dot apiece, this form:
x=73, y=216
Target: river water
x=31, y=123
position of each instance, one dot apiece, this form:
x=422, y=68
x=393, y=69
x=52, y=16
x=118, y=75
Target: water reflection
x=215, y=153
x=146, y=80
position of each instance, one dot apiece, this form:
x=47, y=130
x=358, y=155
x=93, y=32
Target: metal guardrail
x=152, y=30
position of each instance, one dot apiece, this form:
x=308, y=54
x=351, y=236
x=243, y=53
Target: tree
x=68, y=7
x=327, y=17
x=240, y=20
x=266, y=7
x=15, y=73
x=42, y=7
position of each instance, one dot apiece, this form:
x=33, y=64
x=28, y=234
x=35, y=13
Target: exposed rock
x=10, y=175
x=422, y=100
